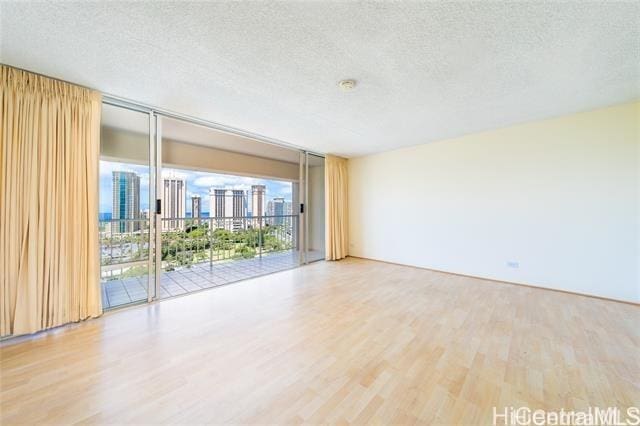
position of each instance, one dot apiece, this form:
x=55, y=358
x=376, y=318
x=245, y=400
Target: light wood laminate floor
x=354, y=341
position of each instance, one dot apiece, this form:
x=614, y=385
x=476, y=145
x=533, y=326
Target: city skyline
x=197, y=183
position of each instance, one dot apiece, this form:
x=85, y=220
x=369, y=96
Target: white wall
x=560, y=197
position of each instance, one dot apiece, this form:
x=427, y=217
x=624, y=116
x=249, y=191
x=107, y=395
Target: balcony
x=196, y=254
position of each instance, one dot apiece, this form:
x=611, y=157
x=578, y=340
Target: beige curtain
x=336, y=208
x=49, y=260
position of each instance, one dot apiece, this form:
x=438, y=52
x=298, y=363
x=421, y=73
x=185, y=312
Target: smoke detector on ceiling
x=347, y=85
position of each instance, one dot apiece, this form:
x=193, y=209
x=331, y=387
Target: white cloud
x=208, y=181
x=173, y=173
x=227, y=181
x=286, y=190
x=108, y=167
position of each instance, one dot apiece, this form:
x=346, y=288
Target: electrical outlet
x=513, y=264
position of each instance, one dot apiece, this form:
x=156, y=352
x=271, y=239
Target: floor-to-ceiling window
x=184, y=207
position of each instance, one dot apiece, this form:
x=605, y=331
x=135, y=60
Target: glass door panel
x=218, y=223
x=314, y=208
x=125, y=194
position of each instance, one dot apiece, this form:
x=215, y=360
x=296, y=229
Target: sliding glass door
x=312, y=174
x=126, y=191
x=184, y=207
x=218, y=222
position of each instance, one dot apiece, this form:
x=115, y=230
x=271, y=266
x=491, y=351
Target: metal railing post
x=260, y=236
x=210, y=244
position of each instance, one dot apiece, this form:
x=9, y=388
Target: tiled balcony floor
x=200, y=276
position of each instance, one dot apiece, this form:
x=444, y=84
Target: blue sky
x=197, y=183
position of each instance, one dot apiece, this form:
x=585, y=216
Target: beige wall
x=558, y=197
x=127, y=146
x=315, y=209
x=122, y=145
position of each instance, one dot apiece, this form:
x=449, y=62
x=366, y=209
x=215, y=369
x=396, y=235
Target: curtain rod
x=141, y=107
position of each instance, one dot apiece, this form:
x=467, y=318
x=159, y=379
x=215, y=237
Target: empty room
x=320, y=212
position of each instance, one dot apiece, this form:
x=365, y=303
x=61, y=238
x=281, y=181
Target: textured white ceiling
x=426, y=70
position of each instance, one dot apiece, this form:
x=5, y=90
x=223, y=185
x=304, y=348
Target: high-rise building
x=239, y=209
x=196, y=208
x=216, y=203
x=126, y=202
x=258, y=205
x=228, y=203
x=278, y=210
x=174, y=190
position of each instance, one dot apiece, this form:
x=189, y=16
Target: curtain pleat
x=336, y=205
x=49, y=147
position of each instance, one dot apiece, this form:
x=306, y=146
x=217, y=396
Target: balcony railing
x=124, y=243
